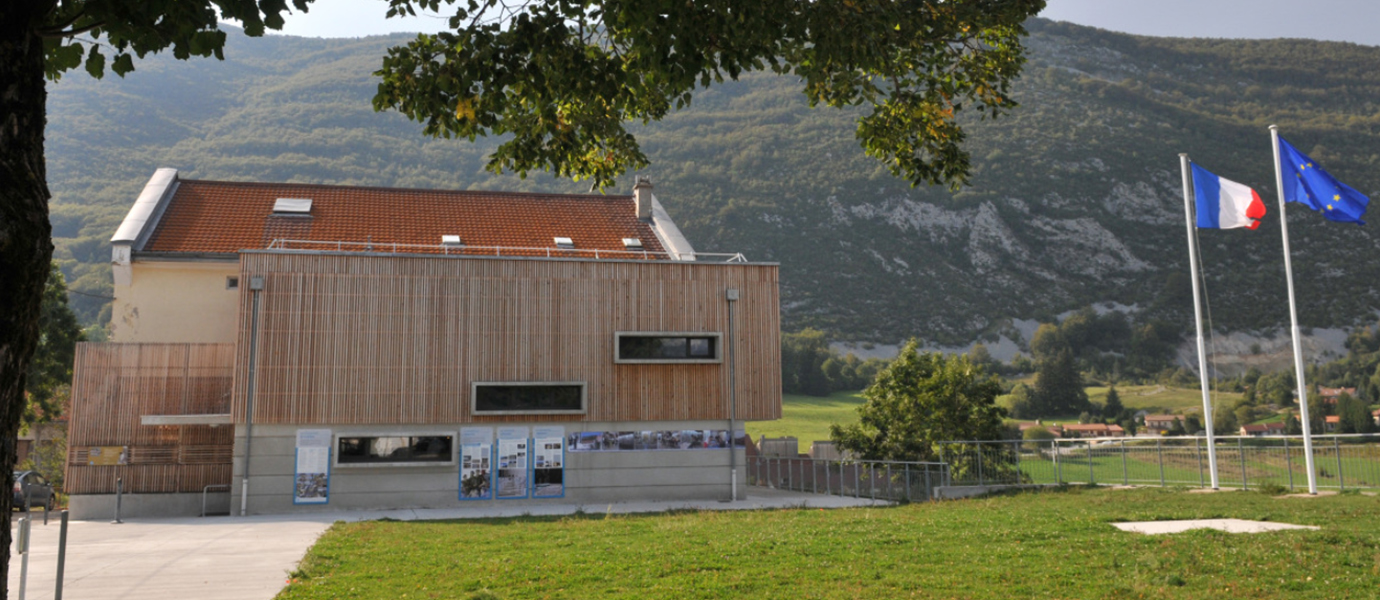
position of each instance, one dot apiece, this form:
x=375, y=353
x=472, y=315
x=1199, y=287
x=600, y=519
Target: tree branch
x=71, y=32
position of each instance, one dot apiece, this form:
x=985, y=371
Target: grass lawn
x=1051, y=544
x=808, y=418
x=1164, y=397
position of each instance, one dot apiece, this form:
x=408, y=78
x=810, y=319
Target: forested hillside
x=1075, y=199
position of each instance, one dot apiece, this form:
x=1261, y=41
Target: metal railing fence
x=1342, y=461
x=875, y=479
x=500, y=251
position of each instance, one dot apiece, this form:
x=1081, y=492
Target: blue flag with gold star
x=1308, y=184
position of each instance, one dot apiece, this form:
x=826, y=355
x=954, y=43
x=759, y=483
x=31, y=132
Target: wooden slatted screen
x=396, y=339
x=114, y=384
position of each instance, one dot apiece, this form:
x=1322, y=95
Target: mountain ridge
x=1075, y=196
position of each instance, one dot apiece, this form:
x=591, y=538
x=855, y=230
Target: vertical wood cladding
x=350, y=339
x=114, y=384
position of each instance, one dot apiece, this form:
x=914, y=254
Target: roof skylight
x=565, y=243
x=632, y=243
x=292, y=206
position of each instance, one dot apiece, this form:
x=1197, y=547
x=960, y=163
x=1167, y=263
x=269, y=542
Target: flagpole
x=1294, y=322
x=1198, y=318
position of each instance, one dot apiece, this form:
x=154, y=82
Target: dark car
x=37, y=490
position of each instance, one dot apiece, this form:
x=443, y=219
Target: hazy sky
x=1339, y=20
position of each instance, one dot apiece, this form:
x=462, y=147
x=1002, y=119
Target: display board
x=476, y=463
x=680, y=439
x=548, y=462
x=312, y=483
x=105, y=456
x=512, y=463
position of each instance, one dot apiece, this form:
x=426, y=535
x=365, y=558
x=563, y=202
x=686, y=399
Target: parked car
x=31, y=485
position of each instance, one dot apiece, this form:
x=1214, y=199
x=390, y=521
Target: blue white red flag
x=1223, y=203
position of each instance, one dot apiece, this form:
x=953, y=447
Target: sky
x=1355, y=21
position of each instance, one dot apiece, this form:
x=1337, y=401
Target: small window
x=232, y=283
x=395, y=450
x=565, y=243
x=521, y=398
x=632, y=243
x=669, y=347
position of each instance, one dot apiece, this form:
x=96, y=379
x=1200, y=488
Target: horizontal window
x=669, y=347
x=503, y=398
x=395, y=449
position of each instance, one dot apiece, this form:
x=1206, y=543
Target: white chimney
x=642, y=195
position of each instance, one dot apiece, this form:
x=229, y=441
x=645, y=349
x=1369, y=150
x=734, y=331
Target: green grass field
x=1178, y=400
x=808, y=418
x=1050, y=544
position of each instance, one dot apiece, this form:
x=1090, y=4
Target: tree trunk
x=26, y=247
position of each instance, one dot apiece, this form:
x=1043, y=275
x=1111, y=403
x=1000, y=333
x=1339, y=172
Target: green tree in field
x=1059, y=387
x=1224, y=419
x=1354, y=415
x=921, y=399
x=1112, y=407
x=1192, y=425
x=803, y=355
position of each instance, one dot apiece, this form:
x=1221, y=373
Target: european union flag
x=1307, y=183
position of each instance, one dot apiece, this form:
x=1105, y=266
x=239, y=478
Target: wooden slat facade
x=351, y=339
x=114, y=384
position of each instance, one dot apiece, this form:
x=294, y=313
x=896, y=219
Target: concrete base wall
x=590, y=477
x=97, y=507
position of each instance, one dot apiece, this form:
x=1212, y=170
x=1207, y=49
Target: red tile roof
x=225, y=217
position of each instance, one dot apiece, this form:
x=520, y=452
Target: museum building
x=295, y=347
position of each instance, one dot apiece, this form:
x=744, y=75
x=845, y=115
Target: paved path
x=248, y=558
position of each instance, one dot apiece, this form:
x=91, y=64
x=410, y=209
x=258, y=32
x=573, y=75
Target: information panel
x=548, y=462
x=512, y=462
x=312, y=485
x=476, y=463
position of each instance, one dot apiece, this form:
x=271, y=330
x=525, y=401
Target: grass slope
x=1055, y=544
x=808, y=418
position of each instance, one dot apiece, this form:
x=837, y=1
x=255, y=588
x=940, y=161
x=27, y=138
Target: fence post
x=1159, y=448
x=908, y=493
x=1017, y=447
x=1289, y=463
x=1241, y=450
x=1337, y=447
x=979, y=463
x=1092, y=479
x=814, y=477
x=1198, y=449
x=1058, y=468
x=1125, y=475
x=929, y=489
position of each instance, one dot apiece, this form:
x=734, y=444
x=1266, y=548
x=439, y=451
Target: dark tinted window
x=394, y=449
x=647, y=347
x=528, y=398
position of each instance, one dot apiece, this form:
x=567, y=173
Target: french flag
x=1223, y=203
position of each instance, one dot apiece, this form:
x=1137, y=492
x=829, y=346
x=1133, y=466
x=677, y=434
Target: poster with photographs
x=512, y=462
x=312, y=484
x=476, y=463
x=548, y=462
x=684, y=439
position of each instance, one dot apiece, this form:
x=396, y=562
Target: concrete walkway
x=248, y=558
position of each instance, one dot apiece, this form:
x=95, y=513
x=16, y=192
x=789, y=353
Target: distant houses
x=1263, y=429
x=1330, y=395
x=1162, y=422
